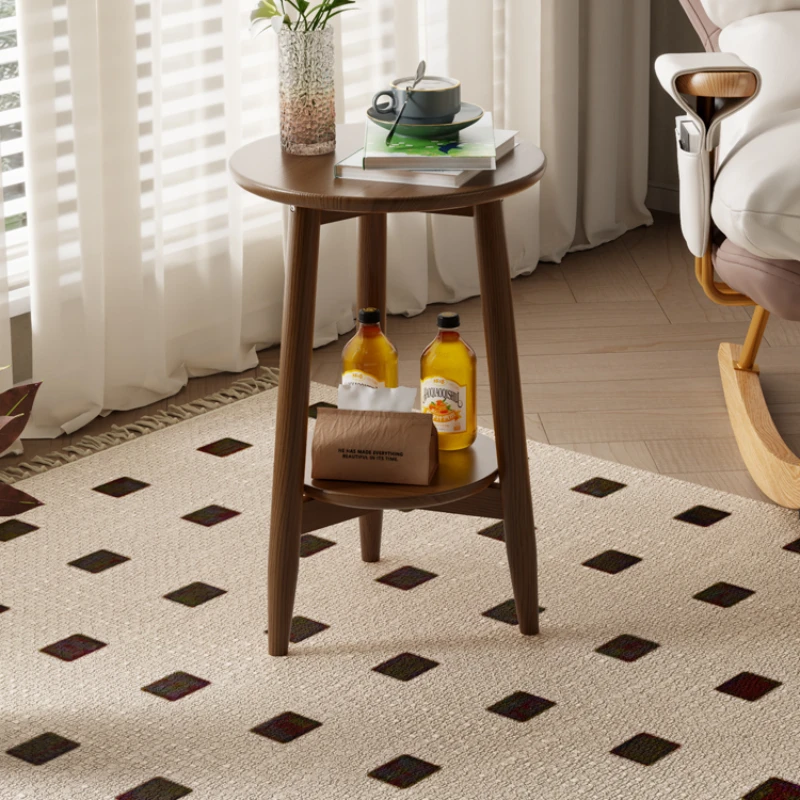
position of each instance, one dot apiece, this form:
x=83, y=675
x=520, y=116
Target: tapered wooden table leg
x=371, y=526
x=290, y=428
x=372, y=292
x=372, y=263
x=508, y=411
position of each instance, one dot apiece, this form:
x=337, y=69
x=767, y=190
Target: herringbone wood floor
x=618, y=351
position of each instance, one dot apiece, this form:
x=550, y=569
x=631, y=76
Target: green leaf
x=265, y=11
x=315, y=15
x=258, y=26
x=335, y=13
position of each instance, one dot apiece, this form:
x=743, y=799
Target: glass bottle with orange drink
x=448, y=385
x=369, y=358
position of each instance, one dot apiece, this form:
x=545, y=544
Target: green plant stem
x=316, y=18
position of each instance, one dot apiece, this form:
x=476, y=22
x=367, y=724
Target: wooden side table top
x=263, y=169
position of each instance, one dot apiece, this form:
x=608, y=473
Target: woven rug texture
x=134, y=660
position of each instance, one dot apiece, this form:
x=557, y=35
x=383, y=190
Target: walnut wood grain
x=318, y=515
x=465, y=482
x=461, y=473
x=488, y=503
x=297, y=338
x=508, y=411
x=467, y=211
x=328, y=217
x=263, y=169
x=372, y=263
x=717, y=84
x=372, y=292
x=370, y=530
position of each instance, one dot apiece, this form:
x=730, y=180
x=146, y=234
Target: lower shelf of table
x=461, y=474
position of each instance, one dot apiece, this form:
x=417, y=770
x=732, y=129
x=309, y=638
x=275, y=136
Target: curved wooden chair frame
x=772, y=465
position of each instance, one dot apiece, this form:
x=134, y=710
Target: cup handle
x=384, y=109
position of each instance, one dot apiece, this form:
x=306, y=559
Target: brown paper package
x=375, y=447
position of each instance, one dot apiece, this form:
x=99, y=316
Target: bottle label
x=447, y=402
x=360, y=378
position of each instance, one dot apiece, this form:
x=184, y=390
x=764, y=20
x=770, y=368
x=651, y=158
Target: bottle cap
x=369, y=316
x=448, y=320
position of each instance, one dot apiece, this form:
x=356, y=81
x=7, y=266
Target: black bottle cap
x=448, y=320
x=369, y=316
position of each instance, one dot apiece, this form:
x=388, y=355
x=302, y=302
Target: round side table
x=466, y=481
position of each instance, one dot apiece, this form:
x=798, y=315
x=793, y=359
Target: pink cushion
x=773, y=283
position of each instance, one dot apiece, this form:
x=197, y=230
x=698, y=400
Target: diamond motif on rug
x=627, y=648
x=195, y=594
x=646, y=749
x=43, y=748
x=73, y=647
x=406, y=666
x=521, y=706
x=224, y=447
x=598, y=487
x=723, y=595
x=176, y=686
x=774, y=789
x=506, y=612
x=496, y=532
x=404, y=771
x=406, y=578
x=120, y=487
x=612, y=561
x=702, y=516
x=99, y=561
x=748, y=686
x=304, y=628
x=14, y=528
x=310, y=545
x=156, y=789
x=286, y=727
x=792, y=547
x=211, y=515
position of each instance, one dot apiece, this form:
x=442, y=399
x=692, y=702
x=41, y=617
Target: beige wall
x=670, y=32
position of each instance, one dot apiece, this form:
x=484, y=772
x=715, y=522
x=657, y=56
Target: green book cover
x=473, y=148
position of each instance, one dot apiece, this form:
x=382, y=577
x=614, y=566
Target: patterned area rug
x=134, y=657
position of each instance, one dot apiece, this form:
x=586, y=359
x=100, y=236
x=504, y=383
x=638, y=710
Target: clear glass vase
x=308, y=113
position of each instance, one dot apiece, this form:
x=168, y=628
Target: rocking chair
x=739, y=163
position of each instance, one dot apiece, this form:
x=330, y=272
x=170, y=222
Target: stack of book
x=428, y=162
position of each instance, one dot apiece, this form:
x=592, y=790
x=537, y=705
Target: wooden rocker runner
x=739, y=187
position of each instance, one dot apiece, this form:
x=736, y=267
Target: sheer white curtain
x=149, y=266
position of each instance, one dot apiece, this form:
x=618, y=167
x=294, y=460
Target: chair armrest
x=713, y=75
x=717, y=84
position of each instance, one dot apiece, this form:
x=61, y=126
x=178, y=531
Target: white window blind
x=198, y=92
x=13, y=159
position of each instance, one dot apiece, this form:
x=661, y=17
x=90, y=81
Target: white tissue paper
x=353, y=397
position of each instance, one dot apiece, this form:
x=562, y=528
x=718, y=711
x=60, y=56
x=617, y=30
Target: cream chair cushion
x=724, y=12
x=756, y=201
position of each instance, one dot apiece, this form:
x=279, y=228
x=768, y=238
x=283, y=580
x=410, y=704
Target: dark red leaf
x=13, y=502
x=16, y=401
